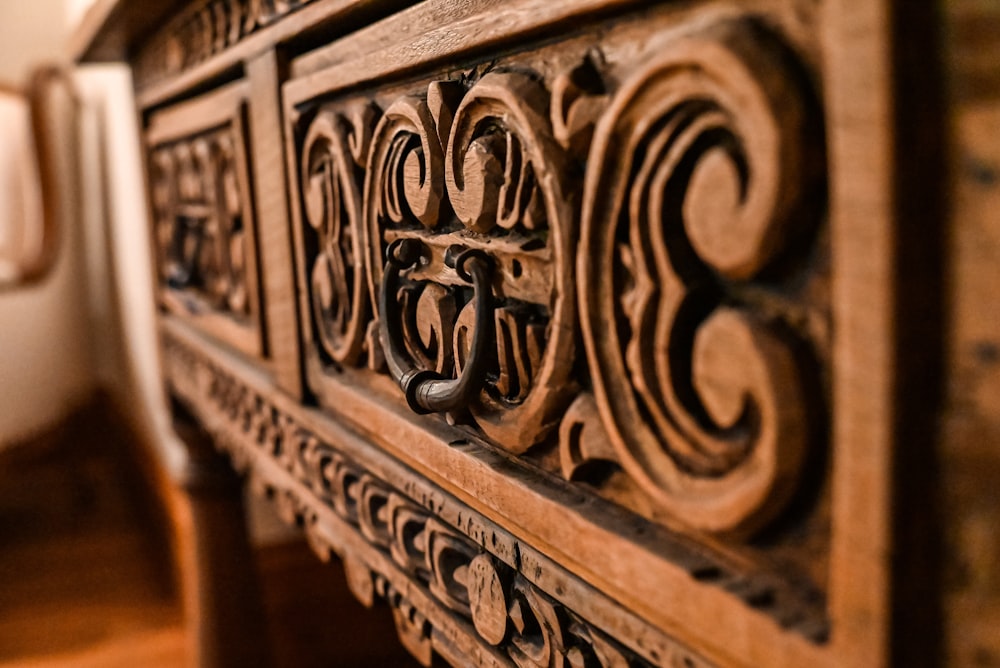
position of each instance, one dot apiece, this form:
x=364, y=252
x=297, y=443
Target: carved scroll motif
x=199, y=211
x=332, y=156
x=478, y=171
x=694, y=180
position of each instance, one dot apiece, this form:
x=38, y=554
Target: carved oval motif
x=479, y=170
x=332, y=205
x=695, y=174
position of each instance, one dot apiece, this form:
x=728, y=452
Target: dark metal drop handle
x=428, y=391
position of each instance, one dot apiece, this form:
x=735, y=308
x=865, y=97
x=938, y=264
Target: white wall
x=45, y=331
x=75, y=9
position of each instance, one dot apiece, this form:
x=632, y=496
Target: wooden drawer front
x=205, y=231
x=606, y=257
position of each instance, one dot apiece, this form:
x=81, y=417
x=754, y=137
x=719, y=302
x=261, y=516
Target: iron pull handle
x=427, y=391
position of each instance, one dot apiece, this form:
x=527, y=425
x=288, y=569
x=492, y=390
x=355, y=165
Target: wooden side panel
x=263, y=75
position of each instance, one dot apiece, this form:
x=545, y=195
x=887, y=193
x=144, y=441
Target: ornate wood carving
x=334, y=147
x=462, y=173
x=449, y=593
x=199, y=220
x=203, y=220
x=694, y=186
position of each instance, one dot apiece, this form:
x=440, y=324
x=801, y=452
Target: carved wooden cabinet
x=593, y=333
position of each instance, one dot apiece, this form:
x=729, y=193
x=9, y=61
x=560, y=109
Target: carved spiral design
x=695, y=174
x=504, y=169
x=405, y=166
x=332, y=205
x=404, y=188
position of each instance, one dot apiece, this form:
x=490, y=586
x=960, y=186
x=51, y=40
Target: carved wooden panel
x=606, y=257
x=203, y=216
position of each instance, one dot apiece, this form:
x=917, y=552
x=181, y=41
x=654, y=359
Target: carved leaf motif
x=404, y=174
x=694, y=178
x=578, y=99
x=409, y=547
x=537, y=632
x=374, y=512
x=450, y=557
x=487, y=599
x=583, y=443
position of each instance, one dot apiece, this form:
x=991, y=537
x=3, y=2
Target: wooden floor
x=84, y=582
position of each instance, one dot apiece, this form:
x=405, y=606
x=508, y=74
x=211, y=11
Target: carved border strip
x=204, y=31
x=449, y=591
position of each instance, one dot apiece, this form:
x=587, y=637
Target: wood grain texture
x=263, y=75
x=864, y=324
x=971, y=418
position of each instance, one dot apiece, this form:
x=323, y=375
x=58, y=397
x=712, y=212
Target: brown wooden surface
x=264, y=74
x=333, y=16
x=206, y=223
x=575, y=540
x=970, y=432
